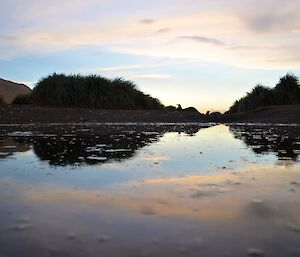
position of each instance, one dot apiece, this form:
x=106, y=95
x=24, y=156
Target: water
x=177, y=190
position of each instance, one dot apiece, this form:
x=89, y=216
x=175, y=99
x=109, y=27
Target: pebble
x=103, y=239
x=146, y=210
x=182, y=249
x=21, y=227
x=155, y=241
x=71, y=237
x=254, y=252
x=294, y=228
x=198, y=241
x=256, y=200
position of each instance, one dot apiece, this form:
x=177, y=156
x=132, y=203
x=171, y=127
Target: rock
x=254, y=252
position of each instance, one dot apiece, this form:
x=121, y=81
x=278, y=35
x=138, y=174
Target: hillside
x=9, y=90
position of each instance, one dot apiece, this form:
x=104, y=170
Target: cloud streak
x=271, y=21
x=151, y=76
x=164, y=30
x=147, y=21
x=206, y=40
x=240, y=29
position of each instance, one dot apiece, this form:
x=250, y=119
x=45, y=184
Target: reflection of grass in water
x=262, y=140
x=10, y=146
x=91, y=150
x=89, y=146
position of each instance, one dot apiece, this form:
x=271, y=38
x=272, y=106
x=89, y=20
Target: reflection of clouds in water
x=160, y=203
x=261, y=209
x=237, y=205
x=237, y=208
x=154, y=158
x=27, y=153
x=204, y=197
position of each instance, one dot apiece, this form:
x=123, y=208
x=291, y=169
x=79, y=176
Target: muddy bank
x=275, y=114
x=43, y=115
x=33, y=114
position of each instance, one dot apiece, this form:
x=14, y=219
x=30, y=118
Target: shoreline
x=35, y=115
x=283, y=114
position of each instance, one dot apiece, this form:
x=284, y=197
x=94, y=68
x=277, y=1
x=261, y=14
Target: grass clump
x=23, y=99
x=60, y=90
x=2, y=102
x=286, y=92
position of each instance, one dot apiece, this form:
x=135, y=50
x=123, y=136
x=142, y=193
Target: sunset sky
x=197, y=53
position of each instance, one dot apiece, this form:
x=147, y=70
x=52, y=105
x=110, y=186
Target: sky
x=197, y=53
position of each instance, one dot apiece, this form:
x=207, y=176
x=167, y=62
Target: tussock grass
x=2, y=102
x=23, y=99
x=60, y=90
x=286, y=92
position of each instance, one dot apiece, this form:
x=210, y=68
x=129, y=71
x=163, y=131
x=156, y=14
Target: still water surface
x=153, y=191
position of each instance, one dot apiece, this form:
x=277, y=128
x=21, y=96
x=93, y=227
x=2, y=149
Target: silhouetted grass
x=2, y=102
x=214, y=116
x=23, y=99
x=171, y=108
x=286, y=92
x=60, y=90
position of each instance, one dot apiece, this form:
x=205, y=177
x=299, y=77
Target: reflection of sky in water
x=207, y=195
x=209, y=151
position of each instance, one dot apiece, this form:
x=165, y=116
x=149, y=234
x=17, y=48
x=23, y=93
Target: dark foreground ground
x=274, y=114
x=33, y=114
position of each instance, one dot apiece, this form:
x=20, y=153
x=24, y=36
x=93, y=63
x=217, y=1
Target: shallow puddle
x=175, y=190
